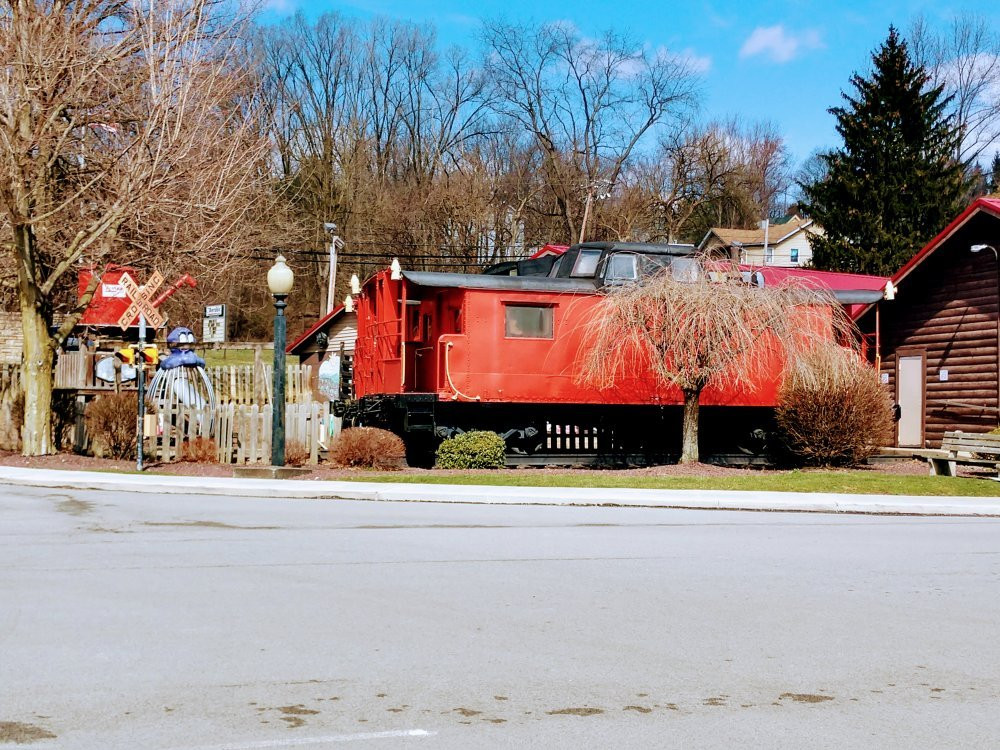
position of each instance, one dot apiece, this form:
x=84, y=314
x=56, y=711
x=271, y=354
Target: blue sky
x=783, y=62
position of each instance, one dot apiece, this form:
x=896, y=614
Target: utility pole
x=590, y=201
x=331, y=299
x=586, y=211
x=766, y=225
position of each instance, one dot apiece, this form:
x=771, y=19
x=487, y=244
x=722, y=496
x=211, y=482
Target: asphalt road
x=189, y=623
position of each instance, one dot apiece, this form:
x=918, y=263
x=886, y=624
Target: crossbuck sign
x=142, y=300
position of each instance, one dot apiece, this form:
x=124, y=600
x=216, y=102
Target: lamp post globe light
x=279, y=282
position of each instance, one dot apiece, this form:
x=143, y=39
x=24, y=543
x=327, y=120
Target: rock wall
x=11, y=338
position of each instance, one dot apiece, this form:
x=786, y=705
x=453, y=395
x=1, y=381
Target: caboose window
x=586, y=264
x=528, y=321
x=621, y=268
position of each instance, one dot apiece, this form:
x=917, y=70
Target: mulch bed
x=74, y=462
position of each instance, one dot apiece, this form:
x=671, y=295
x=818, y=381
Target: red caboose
x=440, y=353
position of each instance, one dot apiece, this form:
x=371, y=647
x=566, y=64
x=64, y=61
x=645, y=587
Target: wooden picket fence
x=246, y=384
x=74, y=371
x=233, y=384
x=240, y=434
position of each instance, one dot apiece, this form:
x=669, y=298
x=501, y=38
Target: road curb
x=480, y=494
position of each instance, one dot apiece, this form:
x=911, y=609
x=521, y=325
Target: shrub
x=111, y=423
x=200, y=450
x=368, y=447
x=472, y=450
x=833, y=409
x=296, y=454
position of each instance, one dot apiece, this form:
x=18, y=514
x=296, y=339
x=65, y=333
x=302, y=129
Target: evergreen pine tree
x=895, y=183
x=994, y=174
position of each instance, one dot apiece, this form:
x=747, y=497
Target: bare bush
x=200, y=450
x=833, y=408
x=296, y=454
x=369, y=448
x=111, y=423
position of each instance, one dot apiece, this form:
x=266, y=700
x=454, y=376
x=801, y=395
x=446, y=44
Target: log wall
x=947, y=310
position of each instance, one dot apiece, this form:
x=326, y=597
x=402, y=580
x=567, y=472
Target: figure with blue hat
x=181, y=378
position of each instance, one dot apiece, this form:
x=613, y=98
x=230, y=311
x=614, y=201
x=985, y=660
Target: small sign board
x=329, y=377
x=213, y=325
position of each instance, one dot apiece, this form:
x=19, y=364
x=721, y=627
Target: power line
x=317, y=256
x=373, y=261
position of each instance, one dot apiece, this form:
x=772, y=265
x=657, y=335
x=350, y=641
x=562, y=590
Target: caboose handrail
x=447, y=373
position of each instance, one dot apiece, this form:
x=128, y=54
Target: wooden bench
x=966, y=448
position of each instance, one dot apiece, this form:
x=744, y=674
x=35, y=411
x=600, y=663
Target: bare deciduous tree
x=965, y=59
x=719, y=174
x=694, y=325
x=374, y=129
x=586, y=102
x=124, y=135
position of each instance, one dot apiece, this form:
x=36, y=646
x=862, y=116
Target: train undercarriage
x=569, y=434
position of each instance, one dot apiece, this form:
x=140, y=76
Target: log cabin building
x=937, y=343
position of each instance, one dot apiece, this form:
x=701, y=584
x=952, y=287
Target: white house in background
x=788, y=242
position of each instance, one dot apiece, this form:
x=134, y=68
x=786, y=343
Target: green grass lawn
x=220, y=357
x=846, y=482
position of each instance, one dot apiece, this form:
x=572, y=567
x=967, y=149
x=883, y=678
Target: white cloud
x=282, y=7
x=687, y=57
x=779, y=45
x=695, y=62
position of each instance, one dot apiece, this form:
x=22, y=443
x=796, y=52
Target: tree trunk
x=689, y=438
x=36, y=383
x=37, y=360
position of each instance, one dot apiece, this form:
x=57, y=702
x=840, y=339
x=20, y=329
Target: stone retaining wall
x=11, y=338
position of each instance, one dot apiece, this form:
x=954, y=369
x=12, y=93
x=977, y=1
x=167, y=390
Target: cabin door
x=910, y=397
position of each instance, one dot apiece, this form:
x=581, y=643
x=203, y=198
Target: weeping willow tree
x=697, y=324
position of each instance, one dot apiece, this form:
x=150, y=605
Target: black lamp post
x=996, y=256
x=279, y=282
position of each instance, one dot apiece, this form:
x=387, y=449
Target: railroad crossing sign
x=142, y=300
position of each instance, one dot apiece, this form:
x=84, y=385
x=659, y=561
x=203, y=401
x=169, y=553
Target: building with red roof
x=938, y=342
x=328, y=346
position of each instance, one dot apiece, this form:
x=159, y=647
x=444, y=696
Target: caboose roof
x=642, y=248
x=502, y=283
x=845, y=295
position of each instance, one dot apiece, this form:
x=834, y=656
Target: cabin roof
x=296, y=346
x=988, y=205
x=777, y=233
x=834, y=280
